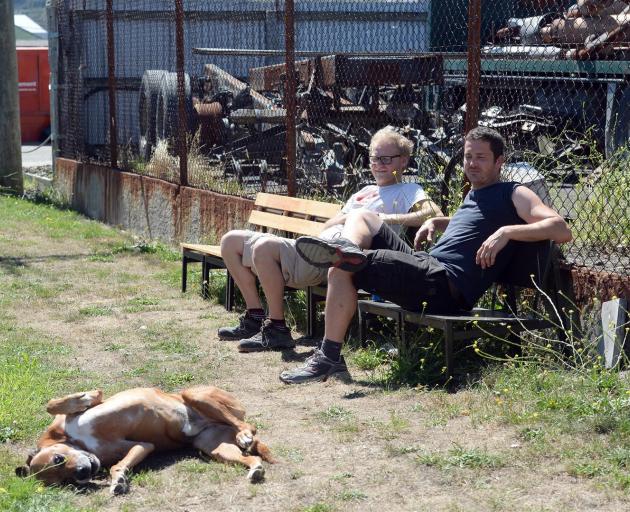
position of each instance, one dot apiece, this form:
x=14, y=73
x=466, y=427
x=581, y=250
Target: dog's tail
x=261, y=449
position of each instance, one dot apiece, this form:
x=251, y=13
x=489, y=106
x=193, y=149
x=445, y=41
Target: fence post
x=10, y=148
x=290, y=93
x=181, y=94
x=111, y=86
x=473, y=64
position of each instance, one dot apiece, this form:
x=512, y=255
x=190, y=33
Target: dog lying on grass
x=123, y=430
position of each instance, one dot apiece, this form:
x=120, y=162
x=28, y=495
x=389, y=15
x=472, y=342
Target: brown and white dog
x=123, y=430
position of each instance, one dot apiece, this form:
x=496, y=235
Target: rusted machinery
x=342, y=100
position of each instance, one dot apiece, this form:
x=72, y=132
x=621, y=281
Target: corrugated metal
x=145, y=39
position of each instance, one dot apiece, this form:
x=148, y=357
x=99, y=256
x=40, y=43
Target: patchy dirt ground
x=123, y=322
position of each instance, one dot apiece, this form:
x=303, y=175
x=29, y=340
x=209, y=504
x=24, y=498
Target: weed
x=460, y=457
x=352, y=495
x=318, y=507
x=334, y=413
x=175, y=381
x=96, y=311
x=146, y=478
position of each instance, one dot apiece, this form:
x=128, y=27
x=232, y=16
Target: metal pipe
x=474, y=64
x=305, y=53
x=53, y=60
x=181, y=93
x=290, y=93
x=111, y=75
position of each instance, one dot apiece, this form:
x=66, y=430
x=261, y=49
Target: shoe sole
x=264, y=349
x=343, y=375
x=224, y=337
x=323, y=254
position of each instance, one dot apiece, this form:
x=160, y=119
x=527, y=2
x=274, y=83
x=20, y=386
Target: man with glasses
x=475, y=247
x=274, y=261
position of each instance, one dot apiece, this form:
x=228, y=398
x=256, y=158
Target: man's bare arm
x=420, y=212
x=543, y=223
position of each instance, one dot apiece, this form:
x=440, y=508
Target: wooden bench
x=285, y=216
x=532, y=260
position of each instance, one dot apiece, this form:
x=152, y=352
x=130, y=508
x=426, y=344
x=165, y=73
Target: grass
x=463, y=458
x=131, y=326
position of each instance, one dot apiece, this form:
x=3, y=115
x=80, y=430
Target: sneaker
x=340, y=253
x=268, y=337
x=318, y=367
x=247, y=327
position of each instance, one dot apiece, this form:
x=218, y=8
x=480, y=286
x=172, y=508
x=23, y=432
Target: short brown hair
x=489, y=135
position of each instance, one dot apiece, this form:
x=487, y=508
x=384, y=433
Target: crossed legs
x=341, y=296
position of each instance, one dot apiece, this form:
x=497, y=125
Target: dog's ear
x=30, y=455
x=22, y=471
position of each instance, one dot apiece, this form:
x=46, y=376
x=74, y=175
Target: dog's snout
x=83, y=473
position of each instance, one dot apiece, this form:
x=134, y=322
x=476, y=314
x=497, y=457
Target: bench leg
x=229, y=293
x=448, y=351
x=311, y=312
x=362, y=326
x=184, y=273
x=205, y=278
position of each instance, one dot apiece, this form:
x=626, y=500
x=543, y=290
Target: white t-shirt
x=396, y=198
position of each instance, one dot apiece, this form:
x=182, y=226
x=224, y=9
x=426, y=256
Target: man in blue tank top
x=473, y=250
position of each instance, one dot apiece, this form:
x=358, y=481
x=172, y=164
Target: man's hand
x=487, y=253
x=424, y=234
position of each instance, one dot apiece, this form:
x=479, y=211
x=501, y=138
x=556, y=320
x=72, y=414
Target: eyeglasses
x=383, y=159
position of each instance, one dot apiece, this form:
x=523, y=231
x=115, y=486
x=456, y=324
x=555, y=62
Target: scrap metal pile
x=342, y=101
x=589, y=29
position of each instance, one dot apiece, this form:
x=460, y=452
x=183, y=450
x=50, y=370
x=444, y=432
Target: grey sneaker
x=268, y=337
x=340, y=253
x=318, y=367
x=246, y=327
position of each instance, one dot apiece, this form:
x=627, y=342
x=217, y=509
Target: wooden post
x=10, y=136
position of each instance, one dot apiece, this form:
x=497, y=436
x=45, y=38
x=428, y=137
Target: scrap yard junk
x=341, y=101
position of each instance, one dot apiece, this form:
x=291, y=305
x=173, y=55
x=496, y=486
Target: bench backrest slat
x=296, y=207
x=285, y=223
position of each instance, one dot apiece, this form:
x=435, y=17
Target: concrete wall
x=148, y=206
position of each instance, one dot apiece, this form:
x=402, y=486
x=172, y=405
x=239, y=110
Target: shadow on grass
x=11, y=263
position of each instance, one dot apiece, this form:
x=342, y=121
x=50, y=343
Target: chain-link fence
x=197, y=93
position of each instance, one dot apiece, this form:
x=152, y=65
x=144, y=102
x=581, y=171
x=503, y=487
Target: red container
x=34, y=80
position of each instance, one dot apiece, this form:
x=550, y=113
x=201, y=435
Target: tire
x=167, y=112
x=147, y=105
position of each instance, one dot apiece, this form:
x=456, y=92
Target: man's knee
x=265, y=250
x=336, y=275
x=367, y=217
x=233, y=242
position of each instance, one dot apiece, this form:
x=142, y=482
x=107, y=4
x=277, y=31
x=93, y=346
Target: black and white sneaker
x=318, y=367
x=340, y=253
x=247, y=326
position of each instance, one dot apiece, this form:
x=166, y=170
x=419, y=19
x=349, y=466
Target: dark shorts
x=414, y=280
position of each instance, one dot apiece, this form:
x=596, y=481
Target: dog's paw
x=244, y=439
x=256, y=474
x=120, y=485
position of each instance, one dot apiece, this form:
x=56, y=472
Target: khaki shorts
x=297, y=273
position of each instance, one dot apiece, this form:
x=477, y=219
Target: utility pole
x=10, y=145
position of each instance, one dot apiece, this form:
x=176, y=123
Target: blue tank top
x=481, y=214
